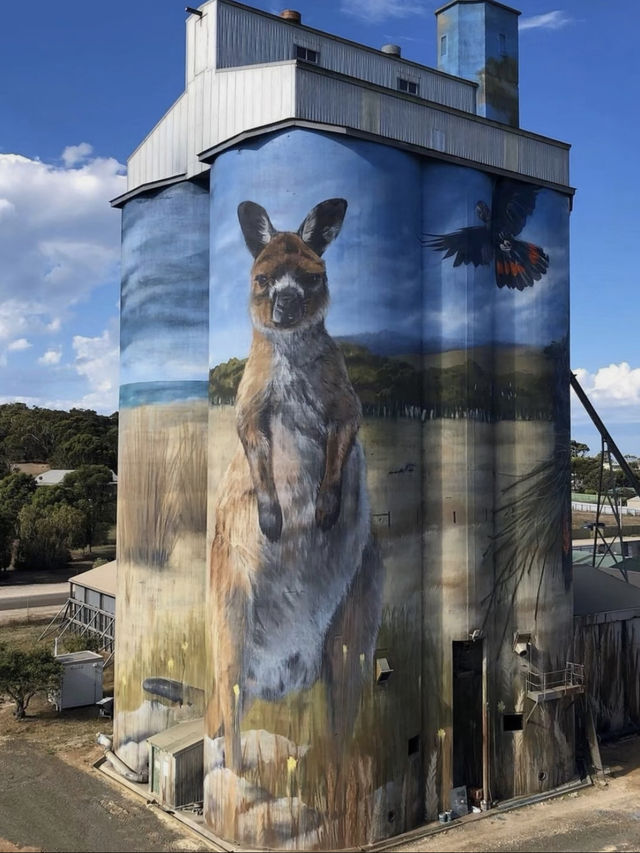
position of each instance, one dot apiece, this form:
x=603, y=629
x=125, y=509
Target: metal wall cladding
x=163, y=152
x=335, y=101
x=247, y=38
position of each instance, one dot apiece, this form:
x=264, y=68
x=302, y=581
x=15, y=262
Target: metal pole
x=486, y=800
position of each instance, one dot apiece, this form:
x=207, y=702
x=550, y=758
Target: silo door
x=467, y=714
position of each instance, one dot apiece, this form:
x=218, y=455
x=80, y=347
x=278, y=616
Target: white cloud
x=378, y=10
x=97, y=361
x=549, y=21
x=60, y=239
x=617, y=385
x=74, y=154
x=18, y=344
x=51, y=357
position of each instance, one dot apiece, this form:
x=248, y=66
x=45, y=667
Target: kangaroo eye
x=262, y=280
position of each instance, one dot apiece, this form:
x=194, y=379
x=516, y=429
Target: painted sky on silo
x=376, y=265
x=165, y=263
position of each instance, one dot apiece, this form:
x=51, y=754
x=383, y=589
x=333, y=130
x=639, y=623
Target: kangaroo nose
x=287, y=309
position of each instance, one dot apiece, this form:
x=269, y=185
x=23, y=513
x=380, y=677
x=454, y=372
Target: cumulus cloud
x=96, y=359
x=59, y=238
x=51, y=357
x=548, y=21
x=379, y=10
x=18, y=344
x=617, y=385
x=74, y=154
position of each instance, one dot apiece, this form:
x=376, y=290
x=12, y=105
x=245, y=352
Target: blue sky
x=84, y=82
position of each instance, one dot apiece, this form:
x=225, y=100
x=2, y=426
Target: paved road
x=31, y=601
x=50, y=805
x=33, y=595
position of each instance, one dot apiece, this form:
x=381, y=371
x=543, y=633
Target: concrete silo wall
x=160, y=655
x=452, y=331
x=382, y=464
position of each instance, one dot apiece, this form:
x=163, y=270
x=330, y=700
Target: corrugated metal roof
x=596, y=591
x=79, y=657
x=102, y=578
x=180, y=737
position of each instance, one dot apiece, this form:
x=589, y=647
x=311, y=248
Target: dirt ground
x=603, y=817
x=53, y=799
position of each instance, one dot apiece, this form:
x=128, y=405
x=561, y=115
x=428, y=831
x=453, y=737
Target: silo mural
x=388, y=423
x=160, y=660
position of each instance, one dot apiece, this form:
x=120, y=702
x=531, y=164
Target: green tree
x=47, y=532
x=25, y=673
x=579, y=449
x=16, y=491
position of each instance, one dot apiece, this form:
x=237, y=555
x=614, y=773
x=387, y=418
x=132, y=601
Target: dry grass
x=162, y=480
x=337, y=785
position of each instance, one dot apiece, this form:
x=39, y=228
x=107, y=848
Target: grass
x=162, y=481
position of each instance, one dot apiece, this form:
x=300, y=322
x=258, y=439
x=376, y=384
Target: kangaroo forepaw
x=270, y=519
x=327, y=508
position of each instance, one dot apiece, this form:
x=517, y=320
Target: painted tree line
x=395, y=387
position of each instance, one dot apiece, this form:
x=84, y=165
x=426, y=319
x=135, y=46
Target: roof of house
x=53, y=477
x=101, y=579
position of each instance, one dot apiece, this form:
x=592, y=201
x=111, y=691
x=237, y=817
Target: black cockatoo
x=517, y=264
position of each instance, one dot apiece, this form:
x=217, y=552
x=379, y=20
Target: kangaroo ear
x=256, y=226
x=323, y=224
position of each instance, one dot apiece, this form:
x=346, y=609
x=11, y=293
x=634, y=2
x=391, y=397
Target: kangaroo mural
x=295, y=575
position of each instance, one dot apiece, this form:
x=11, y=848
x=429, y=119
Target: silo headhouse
x=344, y=515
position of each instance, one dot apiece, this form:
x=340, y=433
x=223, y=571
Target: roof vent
x=291, y=15
x=391, y=49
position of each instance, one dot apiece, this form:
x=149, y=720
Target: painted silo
x=344, y=510
x=160, y=659
x=354, y=660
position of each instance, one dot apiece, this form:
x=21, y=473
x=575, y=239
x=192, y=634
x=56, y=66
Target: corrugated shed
x=244, y=95
x=102, y=578
x=247, y=37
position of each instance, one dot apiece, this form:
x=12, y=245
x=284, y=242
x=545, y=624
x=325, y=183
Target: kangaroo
x=295, y=576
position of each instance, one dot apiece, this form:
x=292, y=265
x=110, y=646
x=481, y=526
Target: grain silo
x=370, y=259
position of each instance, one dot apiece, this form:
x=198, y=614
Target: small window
x=443, y=45
x=502, y=44
x=512, y=722
x=407, y=86
x=306, y=53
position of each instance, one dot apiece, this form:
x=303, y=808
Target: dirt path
x=598, y=818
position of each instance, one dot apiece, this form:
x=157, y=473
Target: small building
x=91, y=606
x=81, y=680
x=176, y=764
x=607, y=638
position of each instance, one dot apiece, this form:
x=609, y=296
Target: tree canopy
x=25, y=673
x=61, y=439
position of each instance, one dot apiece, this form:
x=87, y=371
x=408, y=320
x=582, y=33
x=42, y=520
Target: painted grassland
x=161, y=564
